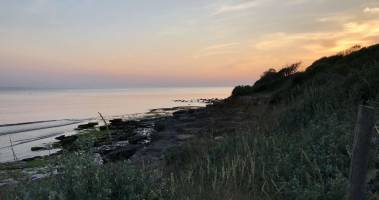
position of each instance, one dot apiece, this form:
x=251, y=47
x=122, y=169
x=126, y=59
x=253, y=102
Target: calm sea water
x=56, y=112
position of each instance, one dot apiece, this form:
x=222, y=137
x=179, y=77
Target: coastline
x=144, y=139
x=41, y=133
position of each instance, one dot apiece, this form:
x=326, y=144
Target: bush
x=270, y=80
x=242, y=90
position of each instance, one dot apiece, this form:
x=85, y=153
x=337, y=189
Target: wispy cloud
x=324, y=42
x=335, y=18
x=218, y=49
x=221, y=46
x=237, y=7
x=371, y=10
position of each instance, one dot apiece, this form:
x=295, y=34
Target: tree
x=289, y=70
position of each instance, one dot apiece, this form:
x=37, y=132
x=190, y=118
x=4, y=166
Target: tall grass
x=80, y=177
x=311, y=163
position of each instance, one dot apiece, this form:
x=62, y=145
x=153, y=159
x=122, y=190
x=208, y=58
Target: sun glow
x=204, y=44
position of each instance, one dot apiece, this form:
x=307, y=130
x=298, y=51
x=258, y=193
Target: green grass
x=80, y=177
x=273, y=165
x=301, y=146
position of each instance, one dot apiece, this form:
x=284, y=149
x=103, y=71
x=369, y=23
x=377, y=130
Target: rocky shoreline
x=142, y=140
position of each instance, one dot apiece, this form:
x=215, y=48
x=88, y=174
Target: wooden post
x=106, y=125
x=14, y=154
x=364, y=129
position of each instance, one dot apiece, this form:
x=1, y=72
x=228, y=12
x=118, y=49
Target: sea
x=34, y=117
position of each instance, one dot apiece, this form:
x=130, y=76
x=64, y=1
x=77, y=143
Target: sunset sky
x=129, y=43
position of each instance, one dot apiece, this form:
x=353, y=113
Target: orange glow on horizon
x=235, y=42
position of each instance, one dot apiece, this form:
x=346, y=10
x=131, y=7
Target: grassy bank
x=297, y=145
x=300, y=147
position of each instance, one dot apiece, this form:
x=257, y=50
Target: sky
x=145, y=43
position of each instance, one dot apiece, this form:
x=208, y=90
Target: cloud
x=323, y=42
x=237, y=7
x=335, y=18
x=221, y=46
x=371, y=10
x=218, y=49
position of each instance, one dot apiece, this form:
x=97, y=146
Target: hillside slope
x=295, y=135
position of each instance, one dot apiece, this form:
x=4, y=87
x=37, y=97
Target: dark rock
x=102, y=141
x=68, y=140
x=130, y=125
x=126, y=136
x=190, y=111
x=115, y=121
x=87, y=126
x=38, y=148
x=159, y=126
x=81, y=127
x=137, y=139
x=121, y=153
x=32, y=158
x=179, y=112
x=200, y=112
x=137, y=124
x=92, y=124
x=105, y=149
x=186, y=118
x=118, y=124
x=60, y=137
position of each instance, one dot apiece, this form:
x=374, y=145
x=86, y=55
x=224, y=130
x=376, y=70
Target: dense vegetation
x=299, y=147
x=351, y=64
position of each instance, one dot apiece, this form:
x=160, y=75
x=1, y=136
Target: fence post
x=364, y=129
x=106, y=125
